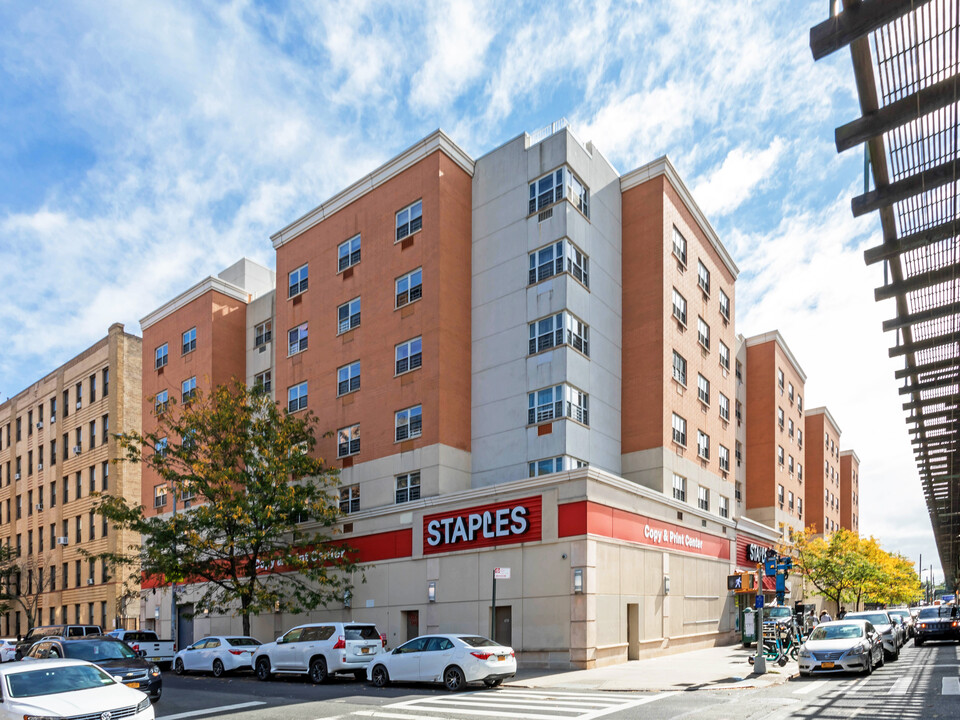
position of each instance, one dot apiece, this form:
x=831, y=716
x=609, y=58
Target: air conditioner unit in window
x=63, y=541
x=17, y=476
x=39, y=466
x=80, y=403
x=39, y=507
x=39, y=425
x=76, y=449
x=89, y=581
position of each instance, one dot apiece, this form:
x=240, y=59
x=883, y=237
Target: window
x=780, y=455
x=297, y=339
x=408, y=487
x=780, y=380
x=703, y=498
x=298, y=281
x=578, y=264
x=79, y=537
x=348, y=316
x=780, y=417
x=348, y=379
x=679, y=368
x=799, y=437
x=799, y=403
x=552, y=465
x=548, y=404
x=780, y=495
x=738, y=452
x=724, y=403
x=105, y=475
x=679, y=430
x=724, y=356
x=703, y=277
x=790, y=500
x=555, y=186
x=679, y=307
x=263, y=382
x=159, y=496
x=159, y=362
x=723, y=456
x=348, y=441
x=348, y=253
x=723, y=507
x=92, y=532
x=559, y=329
x=724, y=305
x=799, y=507
x=408, y=423
x=549, y=261
x=409, y=355
x=297, y=398
x=350, y=499
x=799, y=472
x=790, y=464
x=790, y=392
x=703, y=333
x=161, y=402
x=739, y=411
x=409, y=288
x=106, y=382
x=93, y=388
x=105, y=427
x=703, y=389
x=679, y=246
x=263, y=333
x=739, y=372
x=189, y=341
x=188, y=389
x=92, y=472
x=703, y=445
x=578, y=405
x=160, y=448
x=93, y=434
x=679, y=488
x=409, y=220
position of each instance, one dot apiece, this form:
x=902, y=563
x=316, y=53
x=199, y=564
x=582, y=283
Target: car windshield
x=875, y=618
x=898, y=613
x=360, y=632
x=837, y=632
x=478, y=641
x=942, y=611
x=142, y=636
x=243, y=642
x=98, y=650
x=778, y=612
x=57, y=679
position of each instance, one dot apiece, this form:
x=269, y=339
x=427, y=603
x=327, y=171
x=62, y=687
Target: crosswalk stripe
x=901, y=686
x=394, y=716
x=586, y=704
x=950, y=686
x=810, y=687
x=560, y=693
x=491, y=703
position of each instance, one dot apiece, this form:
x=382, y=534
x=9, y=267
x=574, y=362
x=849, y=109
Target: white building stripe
x=809, y=687
x=901, y=686
x=209, y=711
x=950, y=686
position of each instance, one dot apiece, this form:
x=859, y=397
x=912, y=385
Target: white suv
x=320, y=650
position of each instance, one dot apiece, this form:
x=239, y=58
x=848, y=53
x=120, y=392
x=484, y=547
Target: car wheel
x=869, y=665
x=263, y=669
x=218, y=669
x=380, y=676
x=493, y=683
x=453, y=678
x=896, y=655
x=178, y=666
x=318, y=671
x=882, y=661
x=156, y=697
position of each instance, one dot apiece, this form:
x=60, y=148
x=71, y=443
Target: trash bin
x=748, y=627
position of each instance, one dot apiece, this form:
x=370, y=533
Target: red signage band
x=502, y=523
x=581, y=518
x=750, y=552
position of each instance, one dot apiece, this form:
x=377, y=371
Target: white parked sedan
x=454, y=660
x=67, y=688
x=217, y=654
x=842, y=646
x=8, y=649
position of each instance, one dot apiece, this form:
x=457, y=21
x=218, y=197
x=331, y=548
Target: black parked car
x=25, y=643
x=941, y=622
x=113, y=656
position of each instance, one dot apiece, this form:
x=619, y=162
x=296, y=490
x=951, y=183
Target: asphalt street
x=924, y=683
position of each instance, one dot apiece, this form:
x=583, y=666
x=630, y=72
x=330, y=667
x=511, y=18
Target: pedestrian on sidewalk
x=825, y=616
x=842, y=614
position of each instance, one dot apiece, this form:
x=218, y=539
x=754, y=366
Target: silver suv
x=320, y=650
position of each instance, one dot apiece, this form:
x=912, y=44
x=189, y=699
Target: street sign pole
x=493, y=609
x=759, y=661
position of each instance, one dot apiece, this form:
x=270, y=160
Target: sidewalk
x=717, y=668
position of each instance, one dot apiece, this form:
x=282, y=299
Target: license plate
x=501, y=658
x=364, y=651
x=154, y=659
x=133, y=685
x=827, y=666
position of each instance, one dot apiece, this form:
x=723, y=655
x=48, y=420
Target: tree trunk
x=245, y=614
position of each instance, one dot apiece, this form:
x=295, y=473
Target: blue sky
x=146, y=145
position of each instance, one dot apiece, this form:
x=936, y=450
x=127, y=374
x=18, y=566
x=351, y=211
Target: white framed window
x=679, y=488
x=161, y=357
x=679, y=430
x=348, y=253
x=738, y=492
x=409, y=423
x=578, y=264
x=408, y=355
x=790, y=428
x=578, y=406
x=724, y=305
x=188, y=388
x=799, y=472
x=348, y=378
x=263, y=381
x=799, y=403
x=703, y=333
x=555, y=186
x=780, y=380
x=161, y=402
x=679, y=246
x=263, y=333
x=790, y=392
x=723, y=457
x=739, y=372
x=298, y=281
x=780, y=417
x=800, y=507
x=408, y=487
x=703, y=389
x=780, y=495
x=703, y=497
x=679, y=368
x=557, y=258
x=160, y=449
x=703, y=445
x=348, y=316
x=799, y=437
x=350, y=499
x=723, y=506
x=703, y=277
x=790, y=464
x=578, y=334
x=348, y=440
x=724, y=403
x=679, y=307
x=409, y=287
x=739, y=412
x=738, y=452
x=159, y=495
x=297, y=397
x=780, y=455
x=297, y=339
x=544, y=405
x=189, y=341
x=724, y=355
x=552, y=465
x=409, y=220
x=559, y=329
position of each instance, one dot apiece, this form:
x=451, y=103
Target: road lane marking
x=208, y=711
x=950, y=686
x=810, y=687
x=901, y=686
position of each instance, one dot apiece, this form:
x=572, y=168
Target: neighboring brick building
x=56, y=448
x=823, y=481
x=850, y=491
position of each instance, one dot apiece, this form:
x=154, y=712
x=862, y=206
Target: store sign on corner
x=665, y=536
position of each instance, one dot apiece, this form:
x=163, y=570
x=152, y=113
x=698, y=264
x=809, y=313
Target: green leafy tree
x=258, y=510
x=830, y=565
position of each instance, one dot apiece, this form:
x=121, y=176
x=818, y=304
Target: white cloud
x=740, y=174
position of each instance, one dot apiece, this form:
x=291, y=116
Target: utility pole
x=759, y=661
x=173, y=584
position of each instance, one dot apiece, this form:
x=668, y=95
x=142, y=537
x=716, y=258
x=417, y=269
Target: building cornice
x=746, y=525
x=663, y=166
x=202, y=287
x=851, y=453
x=823, y=411
x=775, y=335
x=437, y=140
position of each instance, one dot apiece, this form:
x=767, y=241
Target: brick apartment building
x=823, y=459
x=850, y=490
x=56, y=448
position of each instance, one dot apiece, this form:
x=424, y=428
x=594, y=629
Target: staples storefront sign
x=502, y=523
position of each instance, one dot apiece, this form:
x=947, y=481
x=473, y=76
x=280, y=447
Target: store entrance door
x=633, y=631
x=184, y=626
x=502, y=625
x=411, y=619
